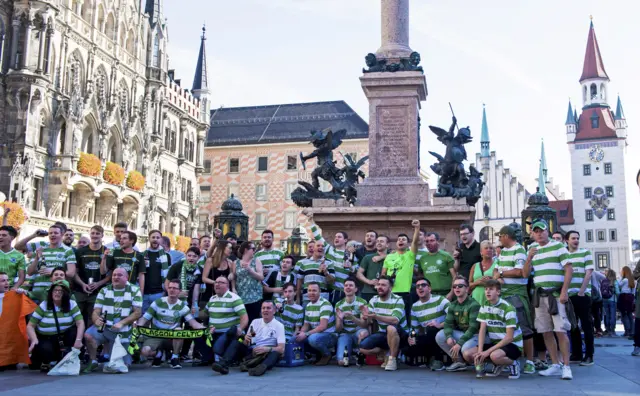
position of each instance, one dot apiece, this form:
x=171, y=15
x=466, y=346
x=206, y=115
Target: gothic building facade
x=86, y=101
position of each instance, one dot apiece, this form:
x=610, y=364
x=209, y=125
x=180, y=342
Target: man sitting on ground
x=290, y=314
x=319, y=325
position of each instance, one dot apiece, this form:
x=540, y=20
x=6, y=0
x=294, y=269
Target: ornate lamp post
x=297, y=244
x=232, y=219
x=538, y=208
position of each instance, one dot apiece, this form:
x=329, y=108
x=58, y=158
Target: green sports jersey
x=401, y=266
x=352, y=307
x=292, y=316
x=321, y=309
x=45, y=323
x=88, y=266
x=166, y=316
x=132, y=262
x=225, y=311
x=59, y=257
x=581, y=260
x=436, y=267
x=11, y=263
x=498, y=318
x=433, y=309
x=509, y=259
x=33, y=246
x=336, y=256
x=118, y=304
x=548, y=265
x=392, y=306
x=308, y=270
x=270, y=259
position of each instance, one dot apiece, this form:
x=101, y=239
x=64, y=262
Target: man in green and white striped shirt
x=290, y=314
x=319, y=325
x=580, y=295
x=552, y=273
x=269, y=257
x=349, y=322
x=427, y=319
x=317, y=269
x=499, y=337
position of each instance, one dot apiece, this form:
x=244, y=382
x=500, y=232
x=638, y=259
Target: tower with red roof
x=597, y=139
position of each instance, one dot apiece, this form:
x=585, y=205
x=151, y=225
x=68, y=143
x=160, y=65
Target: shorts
x=379, y=340
x=524, y=320
x=156, y=344
x=511, y=350
x=545, y=322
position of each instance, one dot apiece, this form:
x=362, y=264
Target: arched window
x=42, y=133
x=584, y=93
x=155, y=54
x=62, y=136
x=130, y=42
x=101, y=18
x=602, y=92
x=110, y=27
x=89, y=148
x=87, y=10
x=594, y=91
x=123, y=36
x=174, y=138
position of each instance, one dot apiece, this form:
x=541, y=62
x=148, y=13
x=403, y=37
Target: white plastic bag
x=116, y=361
x=69, y=365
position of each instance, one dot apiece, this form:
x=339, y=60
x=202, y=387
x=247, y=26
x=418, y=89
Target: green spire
x=484, y=138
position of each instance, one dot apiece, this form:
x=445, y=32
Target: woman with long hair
x=482, y=272
x=249, y=277
x=626, y=301
x=609, y=304
x=217, y=264
x=55, y=326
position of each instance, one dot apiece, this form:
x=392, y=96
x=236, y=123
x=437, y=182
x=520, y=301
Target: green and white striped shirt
x=548, y=264
x=337, y=257
x=225, y=311
x=392, y=306
x=46, y=323
x=498, y=318
x=433, y=309
x=512, y=258
x=118, y=304
x=321, y=309
x=291, y=317
x=581, y=260
x=308, y=270
x=53, y=258
x=167, y=316
x=350, y=307
x=270, y=259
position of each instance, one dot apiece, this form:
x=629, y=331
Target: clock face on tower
x=596, y=154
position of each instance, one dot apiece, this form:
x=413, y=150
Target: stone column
x=394, y=29
x=43, y=34
x=27, y=44
x=200, y=152
x=49, y=39
x=14, y=42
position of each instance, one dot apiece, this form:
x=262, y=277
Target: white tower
x=597, y=140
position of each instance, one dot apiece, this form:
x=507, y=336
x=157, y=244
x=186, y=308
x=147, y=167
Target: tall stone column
x=16, y=23
x=43, y=34
x=394, y=30
x=27, y=44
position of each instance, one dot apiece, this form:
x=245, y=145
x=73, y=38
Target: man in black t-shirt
x=156, y=263
x=88, y=280
x=126, y=257
x=468, y=252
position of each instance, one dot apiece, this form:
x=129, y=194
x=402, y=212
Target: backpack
x=606, y=289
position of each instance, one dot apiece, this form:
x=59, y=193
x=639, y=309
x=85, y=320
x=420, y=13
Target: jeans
x=321, y=343
x=610, y=315
x=48, y=349
x=636, y=335
x=107, y=338
x=596, y=314
x=582, y=309
x=627, y=322
x=243, y=351
x=426, y=345
x=346, y=342
x=220, y=343
x=148, y=299
x=441, y=340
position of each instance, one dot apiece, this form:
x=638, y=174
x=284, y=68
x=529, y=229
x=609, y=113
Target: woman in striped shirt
x=46, y=338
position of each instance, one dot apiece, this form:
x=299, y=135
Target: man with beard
x=12, y=261
x=387, y=309
x=438, y=266
x=126, y=257
x=88, y=279
x=371, y=268
x=369, y=245
x=318, y=269
x=68, y=238
x=269, y=257
x=272, y=285
x=468, y=253
x=319, y=326
x=156, y=264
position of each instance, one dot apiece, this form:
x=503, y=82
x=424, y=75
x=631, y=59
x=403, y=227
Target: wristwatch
x=500, y=272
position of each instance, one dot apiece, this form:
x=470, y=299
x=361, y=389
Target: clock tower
x=597, y=139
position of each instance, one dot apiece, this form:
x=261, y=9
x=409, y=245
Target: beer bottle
x=252, y=332
x=413, y=333
x=104, y=322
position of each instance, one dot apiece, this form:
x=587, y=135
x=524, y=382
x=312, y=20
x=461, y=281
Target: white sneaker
x=566, y=373
x=554, y=369
x=384, y=363
x=392, y=364
x=345, y=362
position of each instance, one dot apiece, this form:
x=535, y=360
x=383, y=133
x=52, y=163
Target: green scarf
x=183, y=273
x=137, y=332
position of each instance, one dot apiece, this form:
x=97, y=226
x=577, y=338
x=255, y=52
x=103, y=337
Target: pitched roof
x=282, y=123
x=570, y=120
x=564, y=211
x=619, y=111
x=201, y=78
x=484, y=137
x=606, y=126
x=593, y=66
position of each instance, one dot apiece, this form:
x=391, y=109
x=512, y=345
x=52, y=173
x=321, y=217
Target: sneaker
x=45, y=368
x=345, y=362
x=529, y=367
x=495, y=372
x=360, y=360
x=588, y=361
x=385, y=361
x=554, y=369
x=91, y=367
x=157, y=362
x=175, y=363
x=636, y=351
x=540, y=365
x=392, y=364
x=514, y=370
x=457, y=366
x=566, y=373
x=220, y=368
x=324, y=360
x=436, y=365
x=243, y=368
x=258, y=370
x=575, y=359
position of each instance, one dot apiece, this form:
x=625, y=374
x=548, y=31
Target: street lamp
x=538, y=208
x=232, y=219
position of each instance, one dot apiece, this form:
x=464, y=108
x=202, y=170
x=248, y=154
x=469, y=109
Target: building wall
x=275, y=210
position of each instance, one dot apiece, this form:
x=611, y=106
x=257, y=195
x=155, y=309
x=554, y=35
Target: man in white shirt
x=264, y=343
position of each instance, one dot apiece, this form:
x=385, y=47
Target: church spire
x=593, y=66
x=570, y=120
x=619, y=112
x=484, y=139
x=201, y=78
x=543, y=164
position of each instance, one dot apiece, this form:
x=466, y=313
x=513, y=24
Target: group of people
x=227, y=303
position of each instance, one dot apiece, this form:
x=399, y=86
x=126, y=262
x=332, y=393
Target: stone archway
x=129, y=212
x=106, y=208
x=82, y=209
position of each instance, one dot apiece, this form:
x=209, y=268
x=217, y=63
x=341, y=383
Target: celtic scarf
x=137, y=332
x=183, y=273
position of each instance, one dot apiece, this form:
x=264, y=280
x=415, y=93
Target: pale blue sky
x=523, y=59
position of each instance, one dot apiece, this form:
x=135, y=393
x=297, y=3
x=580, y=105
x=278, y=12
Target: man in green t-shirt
x=438, y=266
x=371, y=268
x=88, y=280
x=12, y=261
x=126, y=257
x=400, y=264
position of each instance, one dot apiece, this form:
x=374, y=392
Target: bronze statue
x=380, y=65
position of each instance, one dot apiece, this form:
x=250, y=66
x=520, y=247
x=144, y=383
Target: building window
x=613, y=235
x=586, y=169
x=589, y=235
x=595, y=121
x=163, y=187
x=603, y=260
x=611, y=214
x=261, y=192
x=263, y=164
x=207, y=166
x=607, y=168
x=588, y=214
x=203, y=219
x=292, y=162
x=290, y=220
x=234, y=165
x=602, y=235
x=205, y=194
x=288, y=189
x=36, y=202
x=609, y=190
x=233, y=189
x=587, y=192
x=261, y=220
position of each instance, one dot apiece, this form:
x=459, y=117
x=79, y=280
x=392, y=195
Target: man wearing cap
x=508, y=271
x=552, y=272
